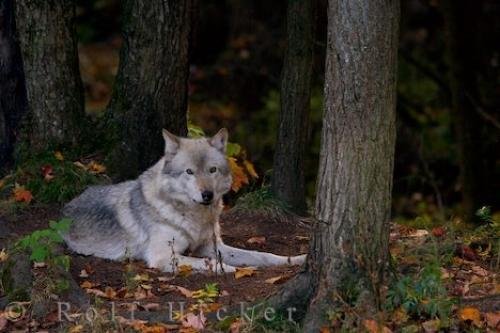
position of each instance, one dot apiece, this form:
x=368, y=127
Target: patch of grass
x=261, y=200
x=50, y=177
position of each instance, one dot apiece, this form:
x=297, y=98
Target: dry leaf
x=186, y=292
x=479, y=271
x=87, y=284
x=3, y=255
x=58, y=155
x=373, y=327
x=47, y=172
x=431, y=326
x=151, y=306
x=418, y=233
x=438, y=232
x=257, y=240
x=184, y=270
x=235, y=326
x=83, y=274
x=244, y=271
x=470, y=314
x=194, y=321
x=76, y=329
x=96, y=168
x=492, y=319
x=275, y=279
x=21, y=194
x=240, y=178
x=141, y=278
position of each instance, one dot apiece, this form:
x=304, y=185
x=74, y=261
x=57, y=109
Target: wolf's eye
x=213, y=169
x=189, y=171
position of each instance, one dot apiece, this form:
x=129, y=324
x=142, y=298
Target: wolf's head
x=196, y=170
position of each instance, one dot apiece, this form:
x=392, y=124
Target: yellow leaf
x=250, y=168
x=373, y=327
x=87, y=284
x=95, y=167
x=240, y=178
x=58, y=155
x=184, y=270
x=471, y=314
x=76, y=329
x=244, y=271
x=22, y=195
x=275, y=279
x=141, y=278
x=3, y=255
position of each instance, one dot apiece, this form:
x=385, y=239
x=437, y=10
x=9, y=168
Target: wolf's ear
x=171, y=143
x=219, y=140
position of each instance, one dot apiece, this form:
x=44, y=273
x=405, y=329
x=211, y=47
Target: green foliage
x=261, y=200
x=64, y=181
x=423, y=295
x=41, y=244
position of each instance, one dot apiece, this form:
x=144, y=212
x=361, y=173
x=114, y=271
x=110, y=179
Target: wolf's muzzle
x=207, y=197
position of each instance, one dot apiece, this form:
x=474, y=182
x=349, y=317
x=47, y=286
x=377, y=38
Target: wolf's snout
x=207, y=196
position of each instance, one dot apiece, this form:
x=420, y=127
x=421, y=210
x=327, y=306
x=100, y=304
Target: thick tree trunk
x=463, y=19
x=12, y=90
x=348, y=253
x=50, y=61
x=288, y=182
x=150, y=92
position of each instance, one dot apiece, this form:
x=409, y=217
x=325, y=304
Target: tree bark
x=463, y=19
x=50, y=62
x=288, y=183
x=349, y=249
x=150, y=92
x=12, y=90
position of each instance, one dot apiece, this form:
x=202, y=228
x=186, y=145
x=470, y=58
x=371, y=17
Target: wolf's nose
x=207, y=196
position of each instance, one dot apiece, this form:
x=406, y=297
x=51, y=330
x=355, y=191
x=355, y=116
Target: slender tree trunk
x=288, y=183
x=348, y=255
x=50, y=61
x=12, y=90
x=463, y=19
x=150, y=92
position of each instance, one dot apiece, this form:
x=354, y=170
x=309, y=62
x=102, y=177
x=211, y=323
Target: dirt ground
x=253, y=232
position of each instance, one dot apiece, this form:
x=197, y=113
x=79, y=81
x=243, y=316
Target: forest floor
x=128, y=296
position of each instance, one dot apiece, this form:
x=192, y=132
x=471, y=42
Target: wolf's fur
x=162, y=215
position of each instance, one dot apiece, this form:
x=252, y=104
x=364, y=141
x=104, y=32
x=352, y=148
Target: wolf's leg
x=239, y=257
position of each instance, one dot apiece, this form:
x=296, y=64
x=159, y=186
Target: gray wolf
x=172, y=208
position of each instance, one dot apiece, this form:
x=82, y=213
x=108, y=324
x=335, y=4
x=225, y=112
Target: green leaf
x=232, y=149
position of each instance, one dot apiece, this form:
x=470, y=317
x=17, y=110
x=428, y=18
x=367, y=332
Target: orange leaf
x=184, y=270
x=373, y=327
x=95, y=167
x=22, y=195
x=58, y=155
x=240, y=178
x=244, y=271
x=470, y=314
x=275, y=280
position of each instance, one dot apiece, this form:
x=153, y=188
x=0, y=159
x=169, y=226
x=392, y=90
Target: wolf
x=170, y=211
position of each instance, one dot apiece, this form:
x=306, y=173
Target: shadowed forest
x=363, y=133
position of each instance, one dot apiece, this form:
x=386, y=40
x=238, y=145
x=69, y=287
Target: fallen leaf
x=3, y=255
x=96, y=168
x=184, y=270
x=244, y=271
x=39, y=264
x=141, y=278
x=47, y=172
x=87, y=284
x=479, y=271
x=165, y=278
x=470, y=314
x=324, y=329
x=21, y=194
x=465, y=252
x=373, y=327
x=58, y=155
x=492, y=319
x=186, y=292
x=235, y=326
x=418, y=233
x=83, y=274
x=151, y=306
x=275, y=279
x=438, y=232
x=146, y=286
x=239, y=176
x=76, y=329
x=194, y=321
x=257, y=240
x=431, y=326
